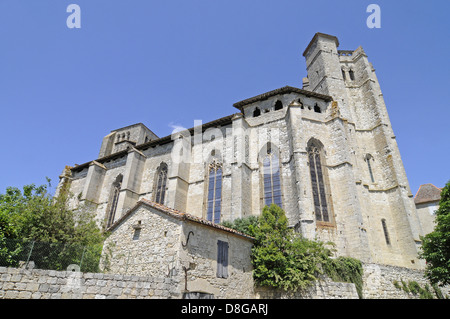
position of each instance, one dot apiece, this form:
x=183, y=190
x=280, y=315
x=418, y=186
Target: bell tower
x=377, y=179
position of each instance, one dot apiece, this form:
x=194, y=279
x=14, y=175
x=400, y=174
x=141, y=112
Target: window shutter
x=222, y=259
x=225, y=260
x=219, y=259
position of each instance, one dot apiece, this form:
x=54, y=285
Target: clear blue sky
x=167, y=63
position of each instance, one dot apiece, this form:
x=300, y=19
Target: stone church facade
x=325, y=153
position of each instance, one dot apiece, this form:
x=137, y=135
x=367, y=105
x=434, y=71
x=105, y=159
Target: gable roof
x=427, y=193
x=283, y=90
x=178, y=215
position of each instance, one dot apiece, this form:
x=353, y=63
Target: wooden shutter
x=222, y=259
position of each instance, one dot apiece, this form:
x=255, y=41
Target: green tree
x=281, y=258
x=284, y=259
x=33, y=215
x=436, y=245
x=242, y=224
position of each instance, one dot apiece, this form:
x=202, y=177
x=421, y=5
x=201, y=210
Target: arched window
x=321, y=207
x=214, y=201
x=256, y=112
x=343, y=74
x=114, y=200
x=278, y=105
x=351, y=74
x=386, y=234
x=161, y=180
x=317, y=108
x=271, y=178
x=369, y=158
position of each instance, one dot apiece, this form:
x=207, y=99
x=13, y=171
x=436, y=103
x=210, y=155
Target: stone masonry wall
x=379, y=282
x=18, y=283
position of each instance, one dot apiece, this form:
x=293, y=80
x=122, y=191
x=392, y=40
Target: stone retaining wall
x=50, y=284
x=379, y=282
x=16, y=283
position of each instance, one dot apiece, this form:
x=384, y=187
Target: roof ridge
x=285, y=89
x=177, y=214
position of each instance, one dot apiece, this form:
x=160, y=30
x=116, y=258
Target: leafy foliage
x=283, y=259
x=242, y=224
x=33, y=217
x=436, y=245
x=346, y=269
x=414, y=288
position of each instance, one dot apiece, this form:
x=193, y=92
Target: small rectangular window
x=222, y=259
x=137, y=234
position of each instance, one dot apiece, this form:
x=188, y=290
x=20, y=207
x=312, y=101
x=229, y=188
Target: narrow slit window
x=369, y=167
x=385, y=230
x=351, y=74
x=343, y=74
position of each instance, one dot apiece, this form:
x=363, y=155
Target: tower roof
x=323, y=35
x=427, y=193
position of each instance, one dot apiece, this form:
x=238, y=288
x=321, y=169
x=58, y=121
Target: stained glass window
x=318, y=185
x=214, y=202
x=271, y=178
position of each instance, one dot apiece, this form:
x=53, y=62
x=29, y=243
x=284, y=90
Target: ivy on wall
x=284, y=259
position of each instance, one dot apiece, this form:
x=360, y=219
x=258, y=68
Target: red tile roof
x=178, y=215
x=427, y=193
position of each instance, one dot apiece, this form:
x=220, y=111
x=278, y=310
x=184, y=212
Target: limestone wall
x=18, y=283
x=379, y=282
x=49, y=284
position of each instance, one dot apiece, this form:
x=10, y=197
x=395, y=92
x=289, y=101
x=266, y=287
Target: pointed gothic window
x=351, y=74
x=271, y=178
x=319, y=193
x=114, y=200
x=214, y=201
x=161, y=182
x=278, y=105
x=317, y=108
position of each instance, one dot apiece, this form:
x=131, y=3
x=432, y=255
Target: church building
x=326, y=153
